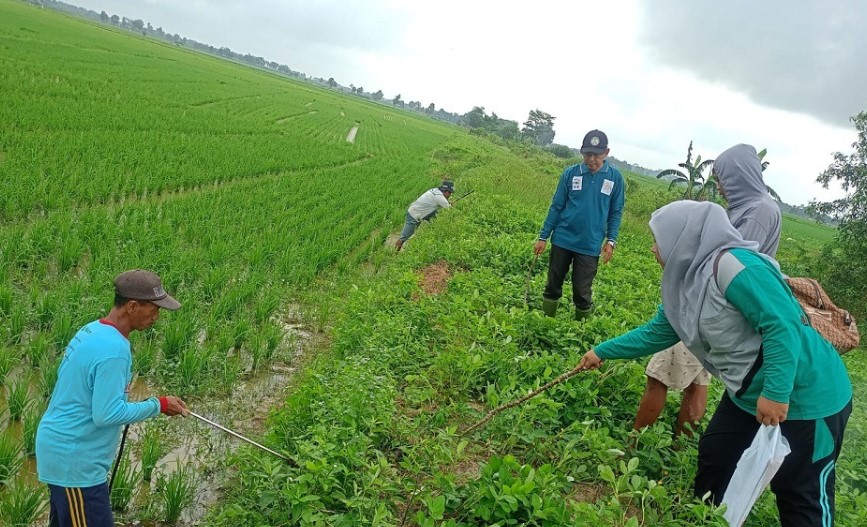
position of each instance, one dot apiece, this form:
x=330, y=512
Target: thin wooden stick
x=559, y=380
x=409, y=506
x=465, y=195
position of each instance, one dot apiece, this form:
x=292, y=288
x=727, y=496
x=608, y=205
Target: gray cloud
x=808, y=57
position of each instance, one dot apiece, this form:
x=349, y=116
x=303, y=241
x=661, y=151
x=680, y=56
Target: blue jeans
x=409, y=227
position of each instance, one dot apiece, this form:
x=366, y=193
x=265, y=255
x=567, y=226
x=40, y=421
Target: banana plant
x=765, y=164
x=692, y=175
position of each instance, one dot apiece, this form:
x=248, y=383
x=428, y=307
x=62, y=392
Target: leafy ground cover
x=377, y=425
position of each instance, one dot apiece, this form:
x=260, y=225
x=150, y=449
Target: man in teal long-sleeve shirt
x=79, y=433
x=585, y=210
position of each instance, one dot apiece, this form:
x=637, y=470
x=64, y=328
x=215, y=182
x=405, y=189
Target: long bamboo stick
x=559, y=380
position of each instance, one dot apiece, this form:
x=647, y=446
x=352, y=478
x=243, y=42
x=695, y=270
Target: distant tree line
x=146, y=29
x=537, y=130
x=430, y=109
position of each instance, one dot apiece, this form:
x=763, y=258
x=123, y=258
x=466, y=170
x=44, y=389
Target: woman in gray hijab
x=733, y=310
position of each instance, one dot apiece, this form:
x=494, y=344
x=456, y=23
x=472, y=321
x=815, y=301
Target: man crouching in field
x=78, y=435
x=425, y=208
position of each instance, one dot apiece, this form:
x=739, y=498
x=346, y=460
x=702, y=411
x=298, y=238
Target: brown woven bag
x=835, y=324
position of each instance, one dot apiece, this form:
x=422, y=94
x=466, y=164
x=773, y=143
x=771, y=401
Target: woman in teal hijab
x=734, y=311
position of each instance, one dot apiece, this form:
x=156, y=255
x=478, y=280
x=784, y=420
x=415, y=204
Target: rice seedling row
x=121, y=154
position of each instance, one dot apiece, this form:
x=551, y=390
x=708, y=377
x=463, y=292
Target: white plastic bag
x=754, y=472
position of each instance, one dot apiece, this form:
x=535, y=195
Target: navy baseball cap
x=447, y=186
x=595, y=142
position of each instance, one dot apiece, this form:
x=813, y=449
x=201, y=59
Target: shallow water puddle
x=203, y=448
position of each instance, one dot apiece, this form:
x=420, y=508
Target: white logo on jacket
x=577, y=182
x=607, y=187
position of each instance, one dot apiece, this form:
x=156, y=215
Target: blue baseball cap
x=447, y=186
x=595, y=142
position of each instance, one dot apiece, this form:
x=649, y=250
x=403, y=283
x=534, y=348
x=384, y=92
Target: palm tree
x=692, y=175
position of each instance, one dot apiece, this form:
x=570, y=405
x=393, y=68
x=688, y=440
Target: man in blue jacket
x=585, y=211
x=78, y=435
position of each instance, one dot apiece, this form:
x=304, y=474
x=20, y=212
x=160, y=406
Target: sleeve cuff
x=164, y=404
x=600, y=351
x=777, y=398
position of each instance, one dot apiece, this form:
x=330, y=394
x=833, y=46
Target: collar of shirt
x=603, y=169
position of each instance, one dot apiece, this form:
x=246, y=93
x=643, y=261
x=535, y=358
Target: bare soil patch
x=391, y=240
x=585, y=492
x=435, y=278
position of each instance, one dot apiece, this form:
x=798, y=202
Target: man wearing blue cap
x=585, y=212
x=425, y=208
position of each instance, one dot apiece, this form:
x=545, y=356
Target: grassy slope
x=800, y=229
x=431, y=363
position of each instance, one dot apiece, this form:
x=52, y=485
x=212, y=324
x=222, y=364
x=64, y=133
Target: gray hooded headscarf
x=690, y=235
x=751, y=209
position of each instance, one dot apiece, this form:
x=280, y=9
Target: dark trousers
x=80, y=507
x=804, y=485
x=583, y=272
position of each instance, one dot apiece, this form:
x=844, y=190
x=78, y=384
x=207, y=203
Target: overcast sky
x=777, y=74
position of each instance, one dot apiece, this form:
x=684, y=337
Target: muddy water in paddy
x=203, y=448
